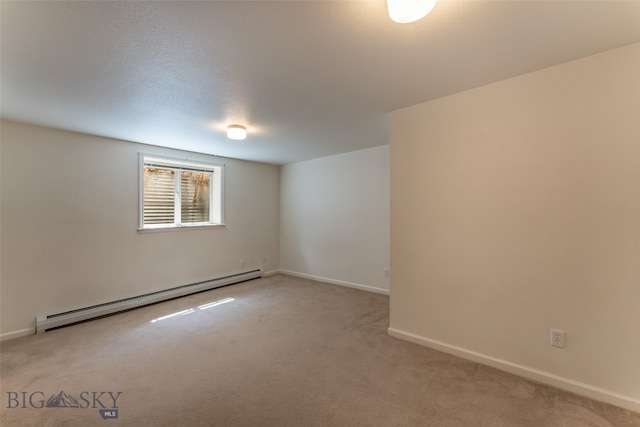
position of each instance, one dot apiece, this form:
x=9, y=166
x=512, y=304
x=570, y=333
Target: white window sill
x=179, y=227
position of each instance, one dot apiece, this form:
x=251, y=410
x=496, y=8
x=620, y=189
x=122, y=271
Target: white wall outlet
x=241, y=263
x=386, y=272
x=264, y=260
x=557, y=338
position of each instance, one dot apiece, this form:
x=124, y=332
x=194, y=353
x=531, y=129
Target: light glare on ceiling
x=236, y=132
x=405, y=11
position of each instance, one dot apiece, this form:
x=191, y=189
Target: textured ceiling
x=308, y=78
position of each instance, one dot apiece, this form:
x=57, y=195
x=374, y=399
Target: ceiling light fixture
x=236, y=132
x=405, y=11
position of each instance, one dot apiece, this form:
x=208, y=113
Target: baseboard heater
x=51, y=321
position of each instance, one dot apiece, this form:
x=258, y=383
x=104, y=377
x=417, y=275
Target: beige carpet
x=283, y=352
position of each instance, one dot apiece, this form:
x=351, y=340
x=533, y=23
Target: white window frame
x=216, y=186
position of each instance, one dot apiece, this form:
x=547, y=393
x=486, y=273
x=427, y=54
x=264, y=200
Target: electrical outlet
x=386, y=272
x=241, y=263
x=557, y=338
x=264, y=260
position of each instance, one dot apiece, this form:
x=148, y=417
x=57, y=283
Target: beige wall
x=69, y=222
x=334, y=219
x=515, y=208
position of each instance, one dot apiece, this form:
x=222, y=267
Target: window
x=179, y=193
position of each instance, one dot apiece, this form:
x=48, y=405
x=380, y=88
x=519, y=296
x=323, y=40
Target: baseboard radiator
x=51, y=321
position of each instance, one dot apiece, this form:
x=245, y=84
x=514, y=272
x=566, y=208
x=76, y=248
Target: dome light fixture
x=236, y=132
x=405, y=11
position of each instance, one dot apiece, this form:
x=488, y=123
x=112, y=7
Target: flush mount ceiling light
x=405, y=11
x=236, y=132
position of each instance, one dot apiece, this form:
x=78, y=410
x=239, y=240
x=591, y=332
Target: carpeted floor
x=277, y=351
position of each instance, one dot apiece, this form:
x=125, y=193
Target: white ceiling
x=308, y=78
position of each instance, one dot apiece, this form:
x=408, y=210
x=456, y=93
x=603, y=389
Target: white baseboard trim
x=566, y=384
x=270, y=273
x=17, y=334
x=336, y=282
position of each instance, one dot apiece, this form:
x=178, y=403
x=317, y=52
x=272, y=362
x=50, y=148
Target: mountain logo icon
x=62, y=400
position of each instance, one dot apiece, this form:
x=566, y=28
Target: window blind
x=159, y=195
x=194, y=196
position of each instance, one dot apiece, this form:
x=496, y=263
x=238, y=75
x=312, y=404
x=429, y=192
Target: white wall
x=334, y=218
x=516, y=209
x=69, y=221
